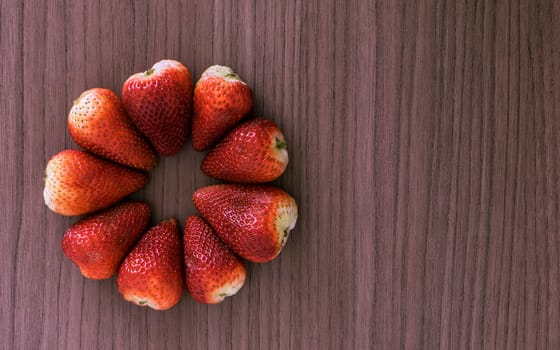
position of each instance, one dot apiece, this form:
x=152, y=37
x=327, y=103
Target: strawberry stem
x=232, y=75
x=149, y=72
x=280, y=144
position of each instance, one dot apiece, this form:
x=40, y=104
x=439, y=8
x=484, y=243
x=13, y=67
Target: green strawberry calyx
x=232, y=76
x=281, y=144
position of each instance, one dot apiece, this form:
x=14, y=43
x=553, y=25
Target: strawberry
x=152, y=274
x=99, y=243
x=98, y=123
x=159, y=102
x=212, y=271
x=254, y=151
x=254, y=220
x=221, y=99
x=78, y=183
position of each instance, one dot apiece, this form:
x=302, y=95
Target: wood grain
x=424, y=143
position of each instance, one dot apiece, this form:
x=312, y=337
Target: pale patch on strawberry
x=85, y=273
x=51, y=182
x=141, y=301
x=158, y=68
x=165, y=64
x=286, y=218
x=280, y=148
x=229, y=289
x=224, y=72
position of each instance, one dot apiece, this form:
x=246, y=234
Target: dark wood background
x=424, y=145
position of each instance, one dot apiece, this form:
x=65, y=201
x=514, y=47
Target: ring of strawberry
x=254, y=221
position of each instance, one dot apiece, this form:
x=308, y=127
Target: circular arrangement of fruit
x=242, y=218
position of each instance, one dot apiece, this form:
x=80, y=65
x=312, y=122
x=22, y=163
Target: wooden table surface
x=424, y=145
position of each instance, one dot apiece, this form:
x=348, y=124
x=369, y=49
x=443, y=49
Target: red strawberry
x=152, y=274
x=159, y=102
x=253, y=220
x=254, y=151
x=99, y=243
x=212, y=271
x=78, y=183
x=98, y=123
x=221, y=99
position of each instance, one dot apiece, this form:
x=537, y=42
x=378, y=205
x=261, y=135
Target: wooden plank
x=423, y=139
